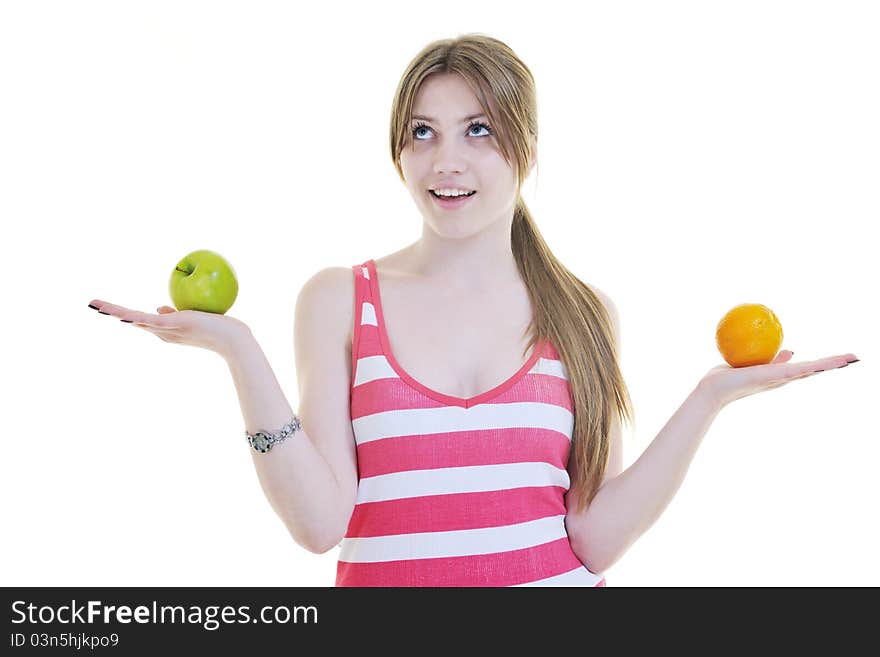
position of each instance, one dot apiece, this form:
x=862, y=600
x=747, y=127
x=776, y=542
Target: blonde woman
x=461, y=398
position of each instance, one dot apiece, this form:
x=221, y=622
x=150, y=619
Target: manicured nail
x=93, y=307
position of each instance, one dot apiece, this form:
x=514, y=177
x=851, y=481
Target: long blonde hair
x=566, y=311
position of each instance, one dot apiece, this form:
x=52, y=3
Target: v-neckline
x=464, y=402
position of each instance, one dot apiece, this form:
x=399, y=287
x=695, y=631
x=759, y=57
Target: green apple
x=204, y=281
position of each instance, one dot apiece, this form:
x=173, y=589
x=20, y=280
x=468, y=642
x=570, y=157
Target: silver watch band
x=263, y=441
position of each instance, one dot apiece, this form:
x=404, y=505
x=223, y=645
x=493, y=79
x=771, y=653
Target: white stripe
x=466, y=542
x=464, y=479
x=580, y=576
x=420, y=421
x=366, y=271
x=371, y=368
x=368, y=314
x=551, y=367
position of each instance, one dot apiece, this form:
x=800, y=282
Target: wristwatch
x=263, y=441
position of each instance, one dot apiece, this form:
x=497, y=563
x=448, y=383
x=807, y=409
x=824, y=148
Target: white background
x=693, y=156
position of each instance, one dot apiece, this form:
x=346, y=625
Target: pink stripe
x=544, y=388
x=458, y=449
x=391, y=394
x=382, y=395
x=370, y=345
x=455, y=511
x=498, y=569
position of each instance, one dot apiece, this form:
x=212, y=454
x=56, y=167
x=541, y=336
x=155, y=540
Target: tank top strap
x=362, y=281
x=364, y=313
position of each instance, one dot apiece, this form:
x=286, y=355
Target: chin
x=458, y=228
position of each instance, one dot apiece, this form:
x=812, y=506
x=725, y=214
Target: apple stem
x=184, y=271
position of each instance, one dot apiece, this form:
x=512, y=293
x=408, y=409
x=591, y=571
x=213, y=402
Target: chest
x=456, y=343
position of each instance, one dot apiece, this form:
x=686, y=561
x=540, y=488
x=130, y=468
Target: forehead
x=446, y=97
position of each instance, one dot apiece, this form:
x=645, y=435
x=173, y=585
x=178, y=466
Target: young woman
x=461, y=398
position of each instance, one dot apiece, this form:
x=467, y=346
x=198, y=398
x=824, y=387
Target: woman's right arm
x=310, y=479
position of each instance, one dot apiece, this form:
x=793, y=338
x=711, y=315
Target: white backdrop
x=693, y=156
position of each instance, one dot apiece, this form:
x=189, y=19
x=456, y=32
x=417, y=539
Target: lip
x=451, y=204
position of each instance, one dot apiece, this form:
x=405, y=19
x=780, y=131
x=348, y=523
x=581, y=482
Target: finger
x=130, y=316
x=832, y=362
x=159, y=321
x=106, y=308
x=146, y=319
x=783, y=356
x=784, y=373
x=809, y=368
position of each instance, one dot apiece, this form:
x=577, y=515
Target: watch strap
x=262, y=441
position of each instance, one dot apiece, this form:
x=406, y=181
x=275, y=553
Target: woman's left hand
x=726, y=383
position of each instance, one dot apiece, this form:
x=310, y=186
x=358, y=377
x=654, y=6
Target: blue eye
x=475, y=124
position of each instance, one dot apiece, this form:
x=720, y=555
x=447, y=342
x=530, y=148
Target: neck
x=482, y=260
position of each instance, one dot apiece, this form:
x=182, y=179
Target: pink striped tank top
x=452, y=491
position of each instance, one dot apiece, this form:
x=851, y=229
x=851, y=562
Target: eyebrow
x=464, y=120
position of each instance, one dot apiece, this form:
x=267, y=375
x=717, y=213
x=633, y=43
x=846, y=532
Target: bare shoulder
x=610, y=308
x=329, y=293
x=324, y=308
x=606, y=301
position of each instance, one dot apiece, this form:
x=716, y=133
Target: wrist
x=707, y=396
x=240, y=341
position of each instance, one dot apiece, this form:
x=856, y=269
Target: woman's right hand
x=213, y=331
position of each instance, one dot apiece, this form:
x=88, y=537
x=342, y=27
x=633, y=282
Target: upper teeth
x=450, y=192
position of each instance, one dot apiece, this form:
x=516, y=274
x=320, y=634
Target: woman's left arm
x=628, y=504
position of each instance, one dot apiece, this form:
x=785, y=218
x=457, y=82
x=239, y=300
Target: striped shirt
x=453, y=491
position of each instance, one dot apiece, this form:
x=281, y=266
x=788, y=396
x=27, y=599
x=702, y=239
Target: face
x=447, y=150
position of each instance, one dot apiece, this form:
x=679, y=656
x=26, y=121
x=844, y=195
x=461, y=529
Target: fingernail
x=103, y=313
x=93, y=307
x=127, y=321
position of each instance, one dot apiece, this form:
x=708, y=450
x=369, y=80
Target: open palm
x=212, y=331
x=730, y=383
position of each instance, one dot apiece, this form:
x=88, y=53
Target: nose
x=448, y=158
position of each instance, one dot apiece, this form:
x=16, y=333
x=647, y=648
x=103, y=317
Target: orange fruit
x=749, y=334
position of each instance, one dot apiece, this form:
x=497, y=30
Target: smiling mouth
x=451, y=197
